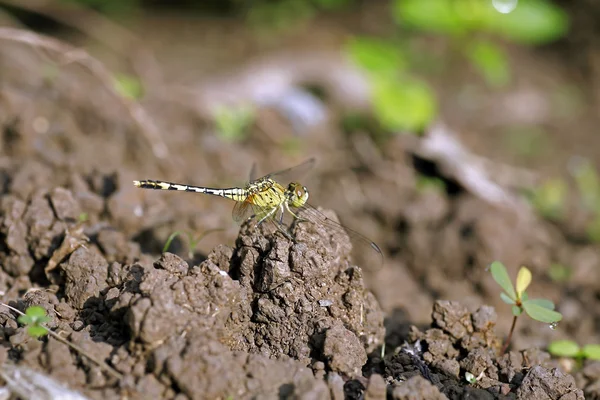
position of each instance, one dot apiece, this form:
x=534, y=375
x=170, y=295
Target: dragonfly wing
x=291, y=174
x=253, y=172
x=242, y=211
x=360, y=243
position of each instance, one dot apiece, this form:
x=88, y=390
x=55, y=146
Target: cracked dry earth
x=266, y=319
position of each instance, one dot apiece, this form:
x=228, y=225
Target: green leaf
x=35, y=312
x=501, y=277
x=540, y=313
x=25, y=319
x=545, y=303
x=469, y=377
x=531, y=22
x=564, y=348
x=523, y=280
x=170, y=239
x=591, y=351
x=506, y=299
x=403, y=104
x=36, y=331
x=438, y=16
x=376, y=55
x=491, y=61
x=516, y=311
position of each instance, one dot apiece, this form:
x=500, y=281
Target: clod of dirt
x=169, y=297
x=17, y=261
x=203, y=368
x=461, y=342
x=74, y=238
x=417, y=388
x=65, y=206
x=453, y=318
x=343, y=351
x=307, y=298
x=541, y=384
x=85, y=276
x=376, y=388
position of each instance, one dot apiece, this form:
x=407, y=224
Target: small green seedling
x=472, y=379
x=34, y=318
x=192, y=240
x=568, y=348
x=539, y=309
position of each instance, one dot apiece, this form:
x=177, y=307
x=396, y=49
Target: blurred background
x=451, y=132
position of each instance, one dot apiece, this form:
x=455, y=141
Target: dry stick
x=81, y=351
x=512, y=328
x=71, y=54
x=96, y=25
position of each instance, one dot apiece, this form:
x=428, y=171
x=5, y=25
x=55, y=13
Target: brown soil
x=266, y=317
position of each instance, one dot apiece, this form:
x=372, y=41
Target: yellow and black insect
x=266, y=200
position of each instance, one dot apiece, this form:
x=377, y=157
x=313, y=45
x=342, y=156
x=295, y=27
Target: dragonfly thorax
x=296, y=194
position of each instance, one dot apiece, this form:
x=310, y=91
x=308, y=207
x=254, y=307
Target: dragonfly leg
x=269, y=214
x=287, y=207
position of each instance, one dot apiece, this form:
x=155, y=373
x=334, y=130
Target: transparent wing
x=291, y=174
x=242, y=210
x=253, y=172
x=360, y=243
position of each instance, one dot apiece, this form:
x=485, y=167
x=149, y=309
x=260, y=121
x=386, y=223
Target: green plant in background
x=193, y=240
x=568, y=348
x=425, y=183
x=232, y=123
x=559, y=272
x=538, y=309
x=285, y=15
x=34, y=319
x=404, y=102
x=550, y=198
x=526, y=140
x=588, y=186
x=129, y=86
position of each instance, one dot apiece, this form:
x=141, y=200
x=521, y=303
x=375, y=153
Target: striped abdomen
x=236, y=194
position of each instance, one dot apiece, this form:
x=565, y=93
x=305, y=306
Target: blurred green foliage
x=232, y=123
x=473, y=27
x=526, y=140
x=568, y=348
x=129, y=86
x=559, y=272
x=550, y=198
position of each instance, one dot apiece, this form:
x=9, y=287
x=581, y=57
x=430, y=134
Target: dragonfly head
x=297, y=194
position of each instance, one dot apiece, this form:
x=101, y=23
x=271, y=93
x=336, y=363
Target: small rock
x=376, y=388
x=453, y=318
x=64, y=205
x=336, y=386
x=344, y=351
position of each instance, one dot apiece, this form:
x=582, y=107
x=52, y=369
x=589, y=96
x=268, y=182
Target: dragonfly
x=267, y=200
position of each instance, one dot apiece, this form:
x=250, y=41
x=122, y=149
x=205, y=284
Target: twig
x=70, y=55
x=100, y=363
